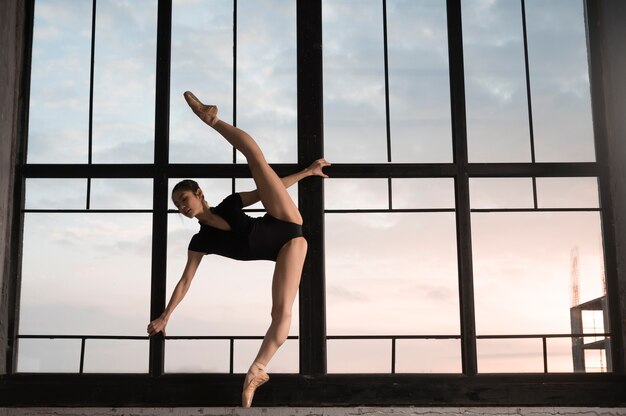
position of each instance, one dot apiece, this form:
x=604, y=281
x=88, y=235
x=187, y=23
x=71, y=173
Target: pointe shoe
x=207, y=113
x=248, y=391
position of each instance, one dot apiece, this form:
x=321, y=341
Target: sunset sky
x=386, y=273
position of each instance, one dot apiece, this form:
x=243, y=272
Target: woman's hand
x=317, y=166
x=158, y=325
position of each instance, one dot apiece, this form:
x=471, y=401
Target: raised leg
x=272, y=192
x=285, y=285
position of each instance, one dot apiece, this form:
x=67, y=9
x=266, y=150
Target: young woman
x=225, y=230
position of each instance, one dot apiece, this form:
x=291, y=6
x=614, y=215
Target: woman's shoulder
x=232, y=201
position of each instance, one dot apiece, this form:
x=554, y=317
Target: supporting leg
x=285, y=285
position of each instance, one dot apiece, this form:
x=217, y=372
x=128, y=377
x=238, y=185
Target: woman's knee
x=281, y=321
x=281, y=314
x=298, y=244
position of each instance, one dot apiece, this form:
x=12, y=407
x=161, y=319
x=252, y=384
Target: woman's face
x=188, y=203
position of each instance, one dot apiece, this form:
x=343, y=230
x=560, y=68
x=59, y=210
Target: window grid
x=461, y=169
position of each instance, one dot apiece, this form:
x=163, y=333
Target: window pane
x=557, y=55
x=124, y=81
x=567, y=193
x=385, y=273
x=56, y=193
x=73, y=268
x=356, y=194
x=559, y=355
x=358, y=356
x=116, y=356
x=354, y=81
x=428, y=356
x=495, y=82
x=266, y=76
x=509, y=355
x=524, y=276
x=202, y=62
x=59, y=90
x=121, y=194
x=48, y=356
x=419, y=90
x=197, y=356
x=419, y=193
x=494, y=193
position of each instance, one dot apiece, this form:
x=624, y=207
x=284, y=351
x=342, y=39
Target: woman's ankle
x=256, y=367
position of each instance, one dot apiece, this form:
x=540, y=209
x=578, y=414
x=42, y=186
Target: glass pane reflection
x=557, y=55
x=419, y=86
x=58, y=130
x=124, y=81
x=495, y=82
x=354, y=81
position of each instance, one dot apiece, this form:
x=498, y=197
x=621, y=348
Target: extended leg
x=273, y=194
x=285, y=285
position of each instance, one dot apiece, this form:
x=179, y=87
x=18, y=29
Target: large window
x=460, y=231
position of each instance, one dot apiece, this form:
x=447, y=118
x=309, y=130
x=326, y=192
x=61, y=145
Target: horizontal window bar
x=93, y=211
x=388, y=170
x=218, y=170
x=248, y=337
x=376, y=211
x=534, y=209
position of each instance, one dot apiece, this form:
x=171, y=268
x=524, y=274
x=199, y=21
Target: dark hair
x=186, y=185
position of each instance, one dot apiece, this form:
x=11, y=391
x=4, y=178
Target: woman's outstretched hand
x=317, y=166
x=156, y=326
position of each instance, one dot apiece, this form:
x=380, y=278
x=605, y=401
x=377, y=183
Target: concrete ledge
x=313, y=411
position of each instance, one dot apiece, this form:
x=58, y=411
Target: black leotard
x=249, y=238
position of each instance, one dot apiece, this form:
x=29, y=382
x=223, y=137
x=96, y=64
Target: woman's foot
x=207, y=113
x=255, y=378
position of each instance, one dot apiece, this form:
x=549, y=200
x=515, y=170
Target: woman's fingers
x=154, y=328
x=319, y=164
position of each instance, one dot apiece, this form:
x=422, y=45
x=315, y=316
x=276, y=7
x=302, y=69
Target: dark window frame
x=313, y=387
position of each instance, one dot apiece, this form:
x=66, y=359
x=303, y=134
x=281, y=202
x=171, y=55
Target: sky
x=386, y=273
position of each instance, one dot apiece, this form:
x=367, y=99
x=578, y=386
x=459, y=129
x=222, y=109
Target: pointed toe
x=206, y=113
x=248, y=392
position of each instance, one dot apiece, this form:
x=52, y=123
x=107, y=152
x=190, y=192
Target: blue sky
x=385, y=273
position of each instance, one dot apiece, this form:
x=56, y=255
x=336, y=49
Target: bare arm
x=252, y=197
x=193, y=261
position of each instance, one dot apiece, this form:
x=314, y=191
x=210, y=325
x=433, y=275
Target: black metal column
x=13, y=283
x=463, y=218
x=160, y=187
x=310, y=191
x=596, y=46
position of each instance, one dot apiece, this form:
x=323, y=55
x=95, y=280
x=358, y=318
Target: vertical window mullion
x=528, y=95
x=388, y=121
x=462, y=211
x=529, y=100
x=14, y=284
x=234, y=69
x=234, y=83
x=160, y=190
x=312, y=298
x=616, y=301
x=91, y=77
x=386, y=57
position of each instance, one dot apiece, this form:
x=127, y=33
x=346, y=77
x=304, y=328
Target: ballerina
x=227, y=231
